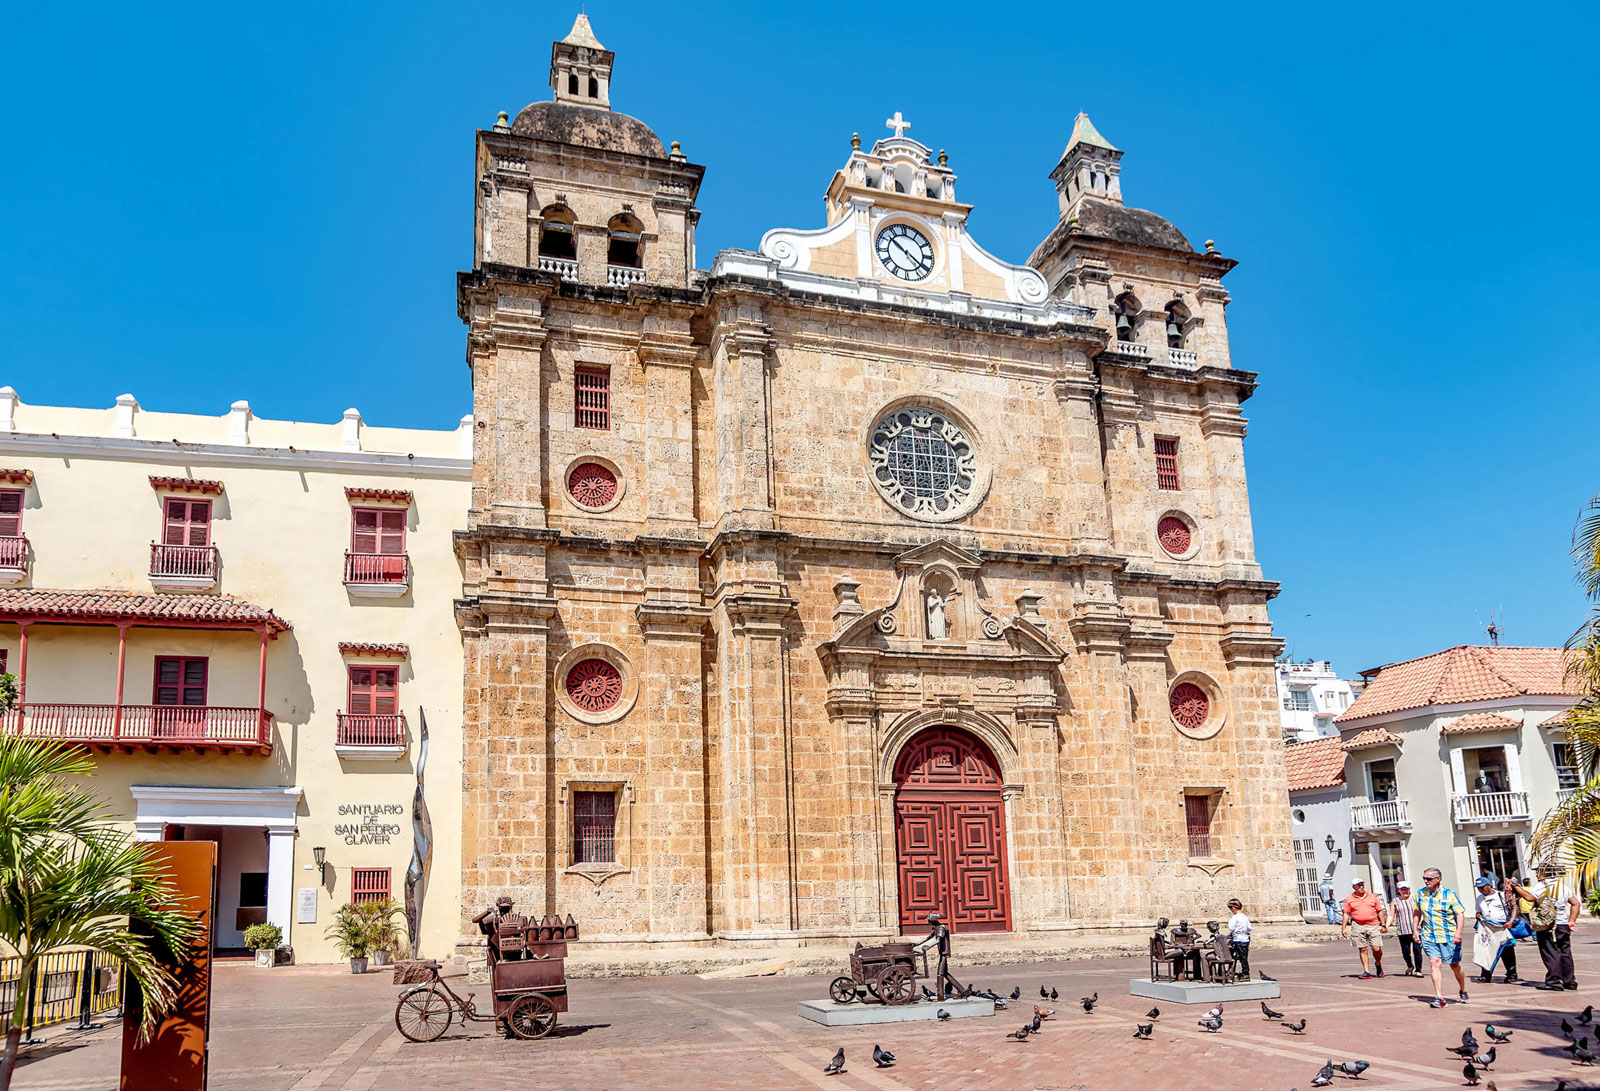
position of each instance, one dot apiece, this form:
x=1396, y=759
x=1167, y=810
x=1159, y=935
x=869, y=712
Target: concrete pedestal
x=829, y=1014
x=1203, y=992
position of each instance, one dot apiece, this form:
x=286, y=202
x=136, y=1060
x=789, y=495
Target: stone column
x=280, y=877
x=1076, y=391
x=667, y=356
x=739, y=401
x=1223, y=428
x=506, y=349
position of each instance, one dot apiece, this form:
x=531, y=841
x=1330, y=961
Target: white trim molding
x=158, y=805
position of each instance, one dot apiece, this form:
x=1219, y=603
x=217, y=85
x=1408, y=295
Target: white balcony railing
x=1491, y=807
x=1130, y=348
x=565, y=268
x=1389, y=815
x=1183, y=358
x=1564, y=794
x=620, y=276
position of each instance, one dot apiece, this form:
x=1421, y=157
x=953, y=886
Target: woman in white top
x=1493, y=930
x=1402, y=916
x=1239, y=937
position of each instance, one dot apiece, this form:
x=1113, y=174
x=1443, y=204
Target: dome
x=588, y=127
x=1133, y=225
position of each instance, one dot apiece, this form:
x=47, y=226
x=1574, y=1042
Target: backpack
x=1545, y=911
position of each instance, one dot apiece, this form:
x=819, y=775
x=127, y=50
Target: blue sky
x=203, y=203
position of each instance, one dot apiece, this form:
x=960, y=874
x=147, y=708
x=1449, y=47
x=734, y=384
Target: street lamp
x=320, y=855
x=1329, y=843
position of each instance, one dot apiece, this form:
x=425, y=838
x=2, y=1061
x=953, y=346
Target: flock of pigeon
x=1468, y=1050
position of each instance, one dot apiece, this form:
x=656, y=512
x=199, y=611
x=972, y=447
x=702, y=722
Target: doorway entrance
x=1499, y=856
x=950, y=834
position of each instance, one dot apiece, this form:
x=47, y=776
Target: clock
x=905, y=252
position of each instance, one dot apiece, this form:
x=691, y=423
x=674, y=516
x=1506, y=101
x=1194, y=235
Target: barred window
x=1166, y=463
x=369, y=884
x=1197, y=813
x=592, y=401
x=594, y=827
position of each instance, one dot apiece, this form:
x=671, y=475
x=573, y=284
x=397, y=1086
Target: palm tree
x=1569, y=835
x=68, y=879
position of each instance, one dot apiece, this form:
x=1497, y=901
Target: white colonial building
x=1310, y=695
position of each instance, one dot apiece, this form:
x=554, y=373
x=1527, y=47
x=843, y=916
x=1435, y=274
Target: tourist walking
x=1401, y=919
x=1363, y=926
x=1552, y=918
x=1492, y=941
x=1440, y=920
x=1239, y=937
x=1329, y=903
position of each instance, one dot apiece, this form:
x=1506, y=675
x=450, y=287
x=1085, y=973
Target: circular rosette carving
x=594, y=685
x=885, y=623
x=592, y=486
x=992, y=627
x=925, y=463
x=1190, y=706
x=1031, y=287
x=1176, y=536
x=1196, y=705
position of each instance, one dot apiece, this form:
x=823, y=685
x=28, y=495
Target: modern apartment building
x=1452, y=759
x=1310, y=695
x=249, y=623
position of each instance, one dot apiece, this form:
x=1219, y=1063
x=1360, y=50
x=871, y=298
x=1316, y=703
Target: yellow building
x=249, y=623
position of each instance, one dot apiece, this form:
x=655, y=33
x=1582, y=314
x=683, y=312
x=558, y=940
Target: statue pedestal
x=829, y=1014
x=1203, y=992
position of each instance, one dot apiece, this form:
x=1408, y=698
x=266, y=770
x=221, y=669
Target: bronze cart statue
x=888, y=973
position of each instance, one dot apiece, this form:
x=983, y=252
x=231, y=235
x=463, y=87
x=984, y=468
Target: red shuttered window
x=11, y=513
x=369, y=884
x=592, y=398
x=187, y=523
x=180, y=680
x=594, y=827
x=373, y=691
x=1166, y=463
x=1197, y=813
x=378, y=531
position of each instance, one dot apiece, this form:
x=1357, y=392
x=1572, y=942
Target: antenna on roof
x=1493, y=630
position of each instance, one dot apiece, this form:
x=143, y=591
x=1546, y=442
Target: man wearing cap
x=1364, y=927
x=1401, y=912
x=1491, y=935
x=1440, y=920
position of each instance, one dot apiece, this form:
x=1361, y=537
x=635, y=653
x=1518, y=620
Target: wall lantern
x=1329, y=844
x=320, y=854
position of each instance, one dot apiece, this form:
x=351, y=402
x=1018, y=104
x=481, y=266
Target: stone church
x=859, y=575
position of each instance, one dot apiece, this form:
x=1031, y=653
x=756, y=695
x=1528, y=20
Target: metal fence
x=66, y=985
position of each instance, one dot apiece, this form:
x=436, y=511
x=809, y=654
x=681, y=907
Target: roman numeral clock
x=905, y=252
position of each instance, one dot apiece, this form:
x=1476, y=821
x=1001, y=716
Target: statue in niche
x=938, y=613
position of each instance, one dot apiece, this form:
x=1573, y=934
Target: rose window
x=1190, y=706
x=923, y=462
x=591, y=485
x=1174, y=535
x=594, y=685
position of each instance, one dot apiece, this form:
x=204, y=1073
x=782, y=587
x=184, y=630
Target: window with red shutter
x=11, y=512
x=180, y=680
x=378, y=531
x=374, y=691
x=188, y=522
x=1197, y=814
x=369, y=884
x=1166, y=463
x=592, y=398
x=594, y=827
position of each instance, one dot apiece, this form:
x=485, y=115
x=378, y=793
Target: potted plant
x=383, y=938
x=349, y=930
x=264, y=940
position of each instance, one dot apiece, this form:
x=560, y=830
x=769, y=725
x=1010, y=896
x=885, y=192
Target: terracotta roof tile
x=354, y=647
x=1315, y=764
x=389, y=496
x=1479, y=721
x=207, y=611
x=186, y=484
x=1372, y=736
x=1461, y=675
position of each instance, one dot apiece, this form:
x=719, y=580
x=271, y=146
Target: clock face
x=905, y=252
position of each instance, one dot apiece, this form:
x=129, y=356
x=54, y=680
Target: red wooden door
x=950, y=834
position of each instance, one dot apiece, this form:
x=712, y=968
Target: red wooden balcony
x=146, y=727
x=13, y=558
x=376, y=573
x=380, y=733
x=183, y=565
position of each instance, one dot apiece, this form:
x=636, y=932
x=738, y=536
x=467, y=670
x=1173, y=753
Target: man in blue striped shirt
x=1440, y=920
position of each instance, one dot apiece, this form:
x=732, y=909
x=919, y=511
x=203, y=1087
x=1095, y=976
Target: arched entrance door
x=950, y=833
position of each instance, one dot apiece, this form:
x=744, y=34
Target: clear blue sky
x=216, y=202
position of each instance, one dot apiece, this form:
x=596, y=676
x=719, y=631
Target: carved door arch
x=950, y=833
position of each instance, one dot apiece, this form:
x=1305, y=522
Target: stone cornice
x=1244, y=648
x=660, y=618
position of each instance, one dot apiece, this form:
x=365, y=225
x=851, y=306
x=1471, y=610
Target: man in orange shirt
x=1365, y=927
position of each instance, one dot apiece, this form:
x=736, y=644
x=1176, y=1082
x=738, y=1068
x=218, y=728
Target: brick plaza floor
x=317, y=1029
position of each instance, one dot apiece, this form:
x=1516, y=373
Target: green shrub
x=1592, y=902
x=349, y=930
x=263, y=937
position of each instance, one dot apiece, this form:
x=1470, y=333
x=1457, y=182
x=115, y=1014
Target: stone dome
x=588, y=127
x=1135, y=225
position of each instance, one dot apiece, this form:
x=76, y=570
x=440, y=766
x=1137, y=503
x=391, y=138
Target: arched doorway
x=950, y=833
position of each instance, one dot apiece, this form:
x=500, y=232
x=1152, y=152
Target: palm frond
x=1586, y=548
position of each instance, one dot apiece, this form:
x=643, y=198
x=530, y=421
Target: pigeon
x=836, y=1065
x=1586, y=1015
x=1143, y=1030
x=1000, y=1005
x=1266, y=976
x=1485, y=1061
x=1215, y=1013
x=1044, y=993
x=1468, y=1039
x=1033, y=1027
x=1298, y=1028
x=1089, y=1002
x=1465, y=1052
x=942, y=1015
x=882, y=1057
x=1016, y=993
x=1212, y=1024
x=927, y=993
x=1470, y=1073
x=1324, y=1075
x=1020, y=1034
x=1043, y=1013
x=1353, y=1069
x=1582, y=1055
x=1269, y=1013
x=1566, y=1028
x=1053, y=994
x=1153, y=1013
x=1497, y=1035
x=1574, y=1046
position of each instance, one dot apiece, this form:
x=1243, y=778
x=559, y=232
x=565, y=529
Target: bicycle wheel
x=423, y=1014
x=531, y=1017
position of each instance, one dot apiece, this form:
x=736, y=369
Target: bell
x=1124, y=327
x=1174, y=333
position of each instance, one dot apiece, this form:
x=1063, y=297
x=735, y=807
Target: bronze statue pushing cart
x=527, y=973
x=890, y=972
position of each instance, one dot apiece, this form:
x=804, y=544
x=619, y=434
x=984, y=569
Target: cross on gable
x=898, y=124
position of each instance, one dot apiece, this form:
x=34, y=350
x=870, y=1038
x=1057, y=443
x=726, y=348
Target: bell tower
x=1090, y=167
x=580, y=68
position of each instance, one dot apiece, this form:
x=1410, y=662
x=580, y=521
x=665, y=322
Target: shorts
x=1447, y=953
x=1365, y=935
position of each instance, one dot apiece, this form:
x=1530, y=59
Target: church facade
x=859, y=575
